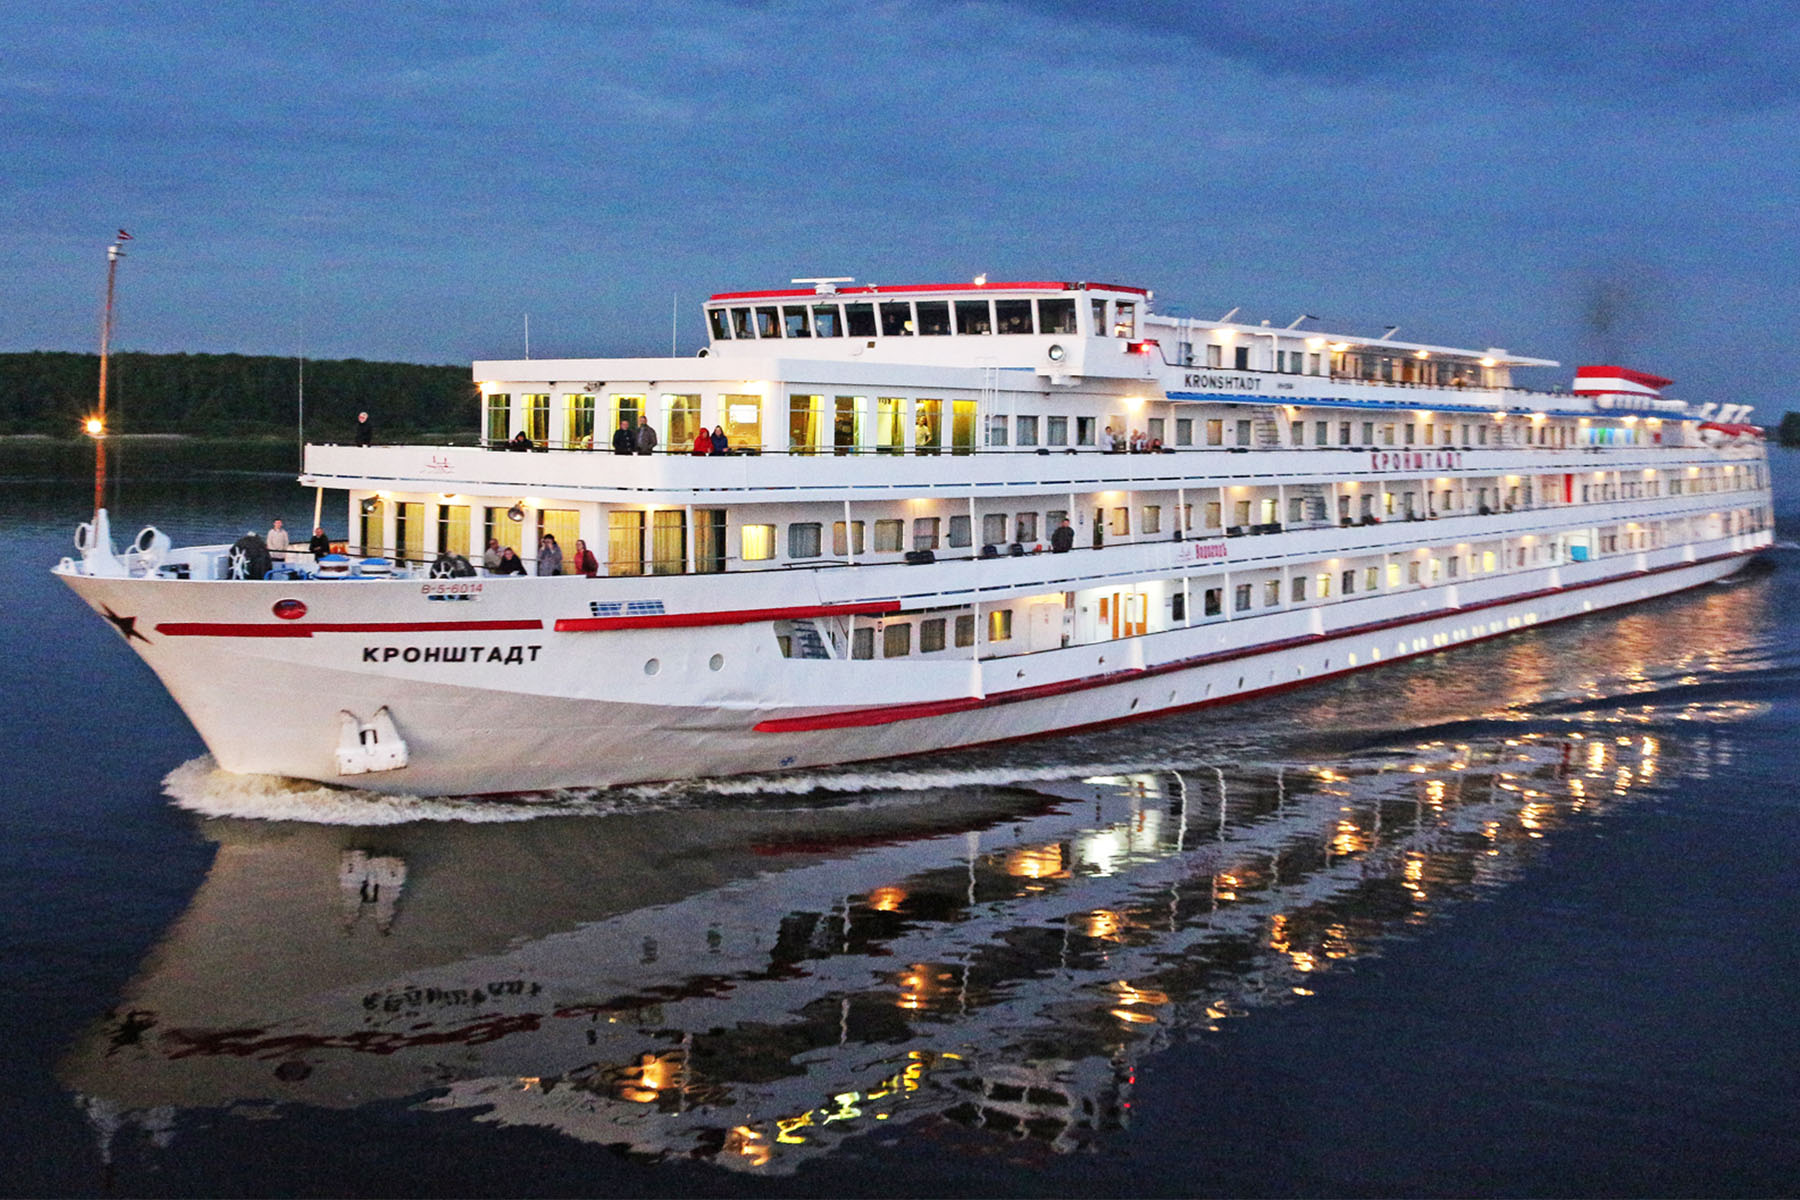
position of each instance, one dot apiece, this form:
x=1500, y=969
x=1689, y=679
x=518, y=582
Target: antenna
x=674, y=320
x=300, y=425
x=528, y=335
x=1302, y=317
x=1229, y=315
x=96, y=426
x=1391, y=331
x=825, y=285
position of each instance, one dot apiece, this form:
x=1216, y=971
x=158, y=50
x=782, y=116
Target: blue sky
x=1580, y=181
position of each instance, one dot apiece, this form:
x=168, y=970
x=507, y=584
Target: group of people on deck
x=1135, y=443
x=641, y=439
x=504, y=560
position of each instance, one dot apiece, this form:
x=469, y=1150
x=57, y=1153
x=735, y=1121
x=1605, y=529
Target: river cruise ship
x=892, y=520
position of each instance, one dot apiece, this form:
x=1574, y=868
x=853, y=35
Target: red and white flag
x=123, y=236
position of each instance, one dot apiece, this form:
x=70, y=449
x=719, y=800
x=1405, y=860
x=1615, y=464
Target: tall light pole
x=96, y=425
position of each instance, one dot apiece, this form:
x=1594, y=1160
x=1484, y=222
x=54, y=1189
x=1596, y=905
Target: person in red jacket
x=703, y=442
x=585, y=562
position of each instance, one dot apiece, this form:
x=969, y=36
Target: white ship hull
x=543, y=709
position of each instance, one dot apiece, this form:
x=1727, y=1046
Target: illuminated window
x=499, y=417
x=1000, y=625
x=758, y=542
x=854, y=545
x=1152, y=518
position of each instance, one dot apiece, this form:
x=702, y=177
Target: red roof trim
x=1639, y=377
x=908, y=289
x=856, y=718
x=743, y=616
x=289, y=630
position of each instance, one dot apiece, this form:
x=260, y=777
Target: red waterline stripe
x=860, y=717
x=742, y=616
x=226, y=629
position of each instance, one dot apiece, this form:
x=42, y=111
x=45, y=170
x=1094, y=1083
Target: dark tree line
x=1789, y=433
x=231, y=394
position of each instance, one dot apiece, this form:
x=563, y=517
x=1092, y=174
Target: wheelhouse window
x=720, y=323
x=1012, y=316
x=934, y=318
x=1124, y=319
x=896, y=318
x=793, y=321
x=972, y=316
x=1056, y=316
x=740, y=323
x=859, y=319
x=768, y=322
x=826, y=321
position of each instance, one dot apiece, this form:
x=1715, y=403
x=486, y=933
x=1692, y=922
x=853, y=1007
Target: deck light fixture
x=516, y=512
x=369, y=504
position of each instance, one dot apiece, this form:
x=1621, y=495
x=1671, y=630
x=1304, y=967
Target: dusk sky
x=1579, y=181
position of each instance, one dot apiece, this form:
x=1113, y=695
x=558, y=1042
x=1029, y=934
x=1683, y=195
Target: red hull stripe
x=854, y=718
x=226, y=629
x=742, y=616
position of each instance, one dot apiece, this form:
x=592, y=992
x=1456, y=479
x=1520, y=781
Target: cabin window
x=709, y=540
x=972, y=317
x=931, y=635
x=1178, y=607
x=962, y=426
x=453, y=529
x=896, y=640
x=803, y=539
x=1213, y=602
x=499, y=417
x=959, y=531
x=793, y=321
x=934, y=318
x=1324, y=586
x=625, y=543
x=849, y=424
x=1409, y=433
x=1215, y=432
x=757, y=542
x=965, y=630
x=1454, y=567
x=1241, y=601
x=806, y=424
x=537, y=417
x=1349, y=582
x=1212, y=514
x=1027, y=430
x=743, y=422
x=1321, y=433
x=720, y=323
x=768, y=322
x=842, y=548
x=373, y=535
x=925, y=533
x=1297, y=592
x=862, y=643
x=896, y=318
x=1056, y=431
x=1084, y=431
x=1152, y=518
x=1343, y=433
x=888, y=535
x=1121, y=522
x=580, y=430
x=409, y=530
x=1056, y=316
x=564, y=524
x=1054, y=518
x=1240, y=512
x=996, y=430
x=1012, y=316
x=1184, y=431
x=1368, y=433
x=1153, y=429
x=1215, y=354
x=740, y=323
x=1296, y=505
x=826, y=321
x=993, y=529
x=859, y=319
x=1099, y=313
x=1243, y=433
x=1025, y=528
x=1267, y=508
x=928, y=426
x=682, y=415
x=1271, y=592
x=1000, y=625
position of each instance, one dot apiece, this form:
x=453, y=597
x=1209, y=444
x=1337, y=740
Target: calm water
x=1516, y=920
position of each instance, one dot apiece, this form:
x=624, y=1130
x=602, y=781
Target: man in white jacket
x=278, y=542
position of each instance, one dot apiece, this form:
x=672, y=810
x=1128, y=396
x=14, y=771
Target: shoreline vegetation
x=227, y=396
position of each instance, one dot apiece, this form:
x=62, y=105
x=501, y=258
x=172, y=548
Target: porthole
x=653, y=666
x=716, y=663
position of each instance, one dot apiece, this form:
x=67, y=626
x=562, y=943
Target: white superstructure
x=871, y=568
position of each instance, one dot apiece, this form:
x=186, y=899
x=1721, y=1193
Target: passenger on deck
x=1109, y=441
x=365, y=429
x=490, y=558
x=519, y=441
x=623, y=442
x=320, y=544
x=585, y=562
x=277, y=540
x=703, y=442
x=510, y=563
x=646, y=436
x=720, y=443
x=549, y=560
x=1062, y=540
